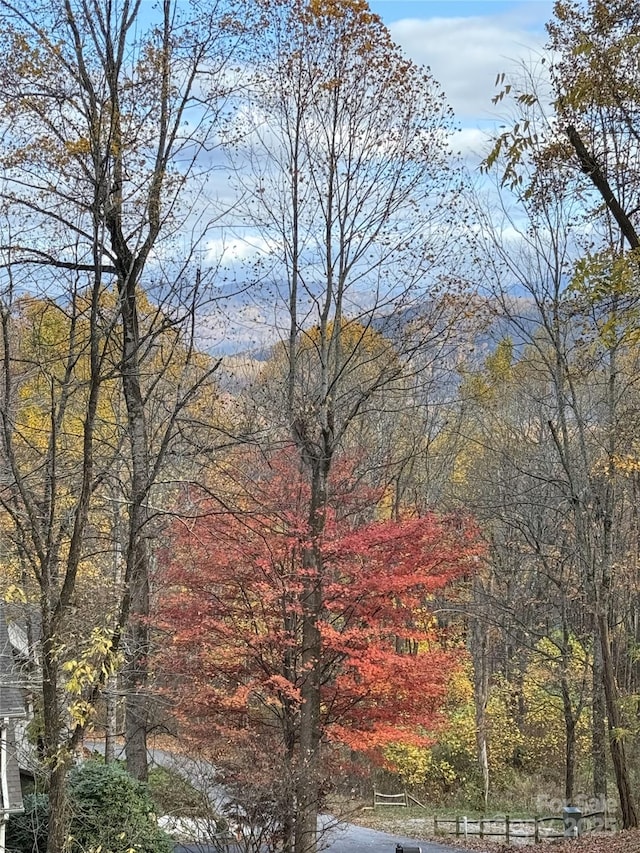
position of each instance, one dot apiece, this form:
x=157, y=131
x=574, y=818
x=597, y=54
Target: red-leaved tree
x=232, y=613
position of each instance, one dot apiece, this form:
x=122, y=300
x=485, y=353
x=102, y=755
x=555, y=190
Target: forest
x=318, y=452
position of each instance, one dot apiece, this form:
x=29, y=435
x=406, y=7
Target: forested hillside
x=391, y=536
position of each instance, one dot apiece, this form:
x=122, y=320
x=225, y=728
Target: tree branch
x=590, y=167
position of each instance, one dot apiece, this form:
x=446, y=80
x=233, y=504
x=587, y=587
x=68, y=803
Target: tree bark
x=57, y=761
x=591, y=167
x=306, y=826
x=616, y=739
x=570, y=742
x=480, y=657
x=598, y=726
x=111, y=721
x=135, y=673
x=308, y=770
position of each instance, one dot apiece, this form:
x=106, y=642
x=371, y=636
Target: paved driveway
x=350, y=839
x=357, y=839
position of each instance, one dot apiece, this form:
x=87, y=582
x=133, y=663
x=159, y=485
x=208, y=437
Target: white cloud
x=472, y=143
x=466, y=54
x=249, y=247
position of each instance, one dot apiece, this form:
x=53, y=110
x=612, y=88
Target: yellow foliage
x=499, y=364
x=626, y=463
x=504, y=738
x=411, y=763
x=599, y=277
x=15, y=595
x=78, y=146
x=95, y=664
x=54, y=379
x=360, y=344
x=460, y=690
x=485, y=386
x=448, y=762
x=81, y=712
x=384, y=507
x=525, y=727
x=544, y=722
x=463, y=465
x=11, y=575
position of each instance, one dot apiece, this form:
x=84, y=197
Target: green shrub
x=109, y=810
x=113, y=811
x=27, y=832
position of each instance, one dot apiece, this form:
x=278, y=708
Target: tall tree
x=580, y=297
x=233, y=614
x=346, y=146
x=107, y=111
x=53, y=378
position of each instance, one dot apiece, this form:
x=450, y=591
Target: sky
x=466, y=44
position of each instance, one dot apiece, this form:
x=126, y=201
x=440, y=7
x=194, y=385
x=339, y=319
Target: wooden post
x=507, y=828
x=536, y=830
x=457, y=826
x=481, y=825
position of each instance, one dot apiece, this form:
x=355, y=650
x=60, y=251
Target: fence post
x=457, y=826
x=481, y=825
x=435, y=824
x=507, y=831
x=536, y=830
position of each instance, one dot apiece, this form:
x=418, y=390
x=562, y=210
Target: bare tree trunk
x=592, y=168
x=480, y=657
x=135, y=673
x=129, y=267
x=113, y=680
x=58, y=827
x=598, y=726
x=111, y=719
x=604, y=598
x=616, y=740
x=56, y=760
x=570, y=742
x=308, y=765
x=306, y=828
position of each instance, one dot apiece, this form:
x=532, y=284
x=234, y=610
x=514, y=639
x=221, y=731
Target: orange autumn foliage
x=233, y=603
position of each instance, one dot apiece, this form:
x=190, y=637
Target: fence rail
x=536, y=829
x=404, y=800
x=380, y=799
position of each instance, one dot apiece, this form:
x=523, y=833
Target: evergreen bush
x=27, y=832
x=113, y=811
x=110, y=811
